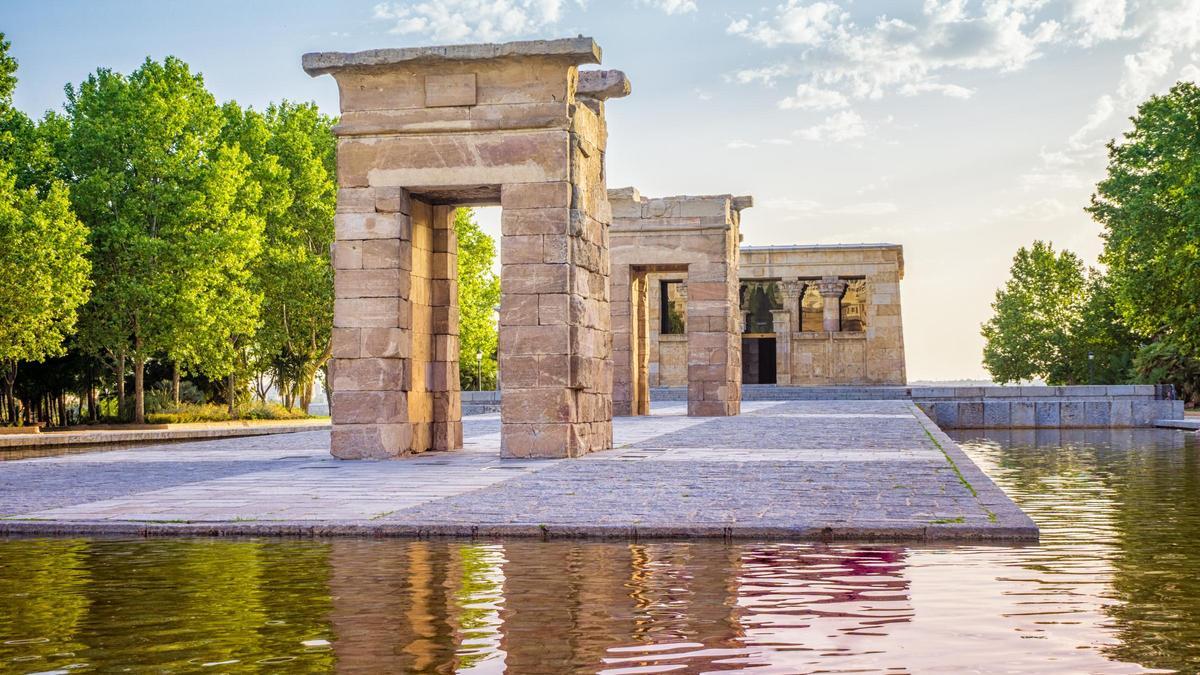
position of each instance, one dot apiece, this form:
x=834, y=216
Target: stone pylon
x=424, y=130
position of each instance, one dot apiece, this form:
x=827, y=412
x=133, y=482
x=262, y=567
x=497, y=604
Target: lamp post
x=479, y=370
x=1091, y=368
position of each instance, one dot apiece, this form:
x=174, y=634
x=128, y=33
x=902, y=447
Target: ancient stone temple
x=809, y=315
x=424, y=130
x=693, y=240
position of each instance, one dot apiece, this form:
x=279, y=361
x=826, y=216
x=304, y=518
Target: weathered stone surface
x=449, y=90
x=573, y=50
x=603, y=84
x=422, y=130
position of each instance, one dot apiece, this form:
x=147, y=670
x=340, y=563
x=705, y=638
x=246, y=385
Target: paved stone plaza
x=799, y=469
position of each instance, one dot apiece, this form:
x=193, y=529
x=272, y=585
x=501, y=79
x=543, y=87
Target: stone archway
x=424, y=130
x=698, y=238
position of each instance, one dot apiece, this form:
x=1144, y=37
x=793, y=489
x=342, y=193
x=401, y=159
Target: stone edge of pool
x=1008, y=522
x=311, y=529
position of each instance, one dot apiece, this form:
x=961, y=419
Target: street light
x=479, y=370
x=1091, y=368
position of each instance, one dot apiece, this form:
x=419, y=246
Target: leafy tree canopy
x=1149, y=205
x=478, y=295
x=1030, y=332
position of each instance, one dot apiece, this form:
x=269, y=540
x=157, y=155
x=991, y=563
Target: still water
x=1114, y=586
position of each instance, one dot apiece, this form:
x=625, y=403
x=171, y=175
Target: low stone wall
x=481, y=402
x=1079, y=407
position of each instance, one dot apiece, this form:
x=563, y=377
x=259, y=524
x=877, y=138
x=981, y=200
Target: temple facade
x=809, y=315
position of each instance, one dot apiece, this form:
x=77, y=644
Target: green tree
x=43, y=246
x=165, y=204
x=293, y=160
x=478, y=295
x=1101, y=348
x=1029, y=334
x=295, y=272
x=43, y=260
x=1149, y=205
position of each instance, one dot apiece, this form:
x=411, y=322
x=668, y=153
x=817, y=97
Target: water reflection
x=1109, y=589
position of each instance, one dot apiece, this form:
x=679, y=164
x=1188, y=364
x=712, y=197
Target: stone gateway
x=424, y=130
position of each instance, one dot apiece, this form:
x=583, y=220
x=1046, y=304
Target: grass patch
x=991, y=515
x=948, y=521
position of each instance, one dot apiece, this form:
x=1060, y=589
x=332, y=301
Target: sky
x=960, y=129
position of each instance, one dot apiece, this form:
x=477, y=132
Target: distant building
x=810, y=315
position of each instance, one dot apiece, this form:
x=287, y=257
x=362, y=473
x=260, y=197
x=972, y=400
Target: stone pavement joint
x=791, y=470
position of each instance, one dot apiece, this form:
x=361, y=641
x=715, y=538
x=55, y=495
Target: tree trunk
x=232, y=387
x=93, y=413
x=175, y=382
x=327, y=386
x=121, y=387
x=306, y=393
x=139, y=390
x=10, y=378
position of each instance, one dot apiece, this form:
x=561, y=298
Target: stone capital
x=831, y=287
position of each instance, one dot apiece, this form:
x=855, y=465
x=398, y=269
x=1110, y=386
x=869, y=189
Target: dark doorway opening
x=758, y=360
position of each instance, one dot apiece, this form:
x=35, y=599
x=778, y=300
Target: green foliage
x=186, y=413
x=1149, y=205
x=478, y=295
x=293, y=153
x=43, y=262
x=1030, y=332
x=172, y=237
x=43, y=246
x=1164, y=362
x=1101, y=332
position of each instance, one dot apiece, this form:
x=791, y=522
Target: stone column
x=622, y=292
x=640, y=315
x=370, y=367
x=832, y=289
x=443, y=374
x=783, y=345
x=792, y=289
x=555, y=317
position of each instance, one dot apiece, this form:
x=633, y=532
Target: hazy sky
x=961, y=130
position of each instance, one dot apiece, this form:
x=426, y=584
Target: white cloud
x=738, y=144
x=794, y=23
x=469, y=20
x=889, y=55
x=778, y=141
x=841, y=126
x=767, y=75
x=672, y=6
x=809, y=97
x=1097, y=21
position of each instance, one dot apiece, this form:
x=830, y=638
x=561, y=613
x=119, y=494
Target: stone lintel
x=603, y=84
x=578, y=50
x=632, y=211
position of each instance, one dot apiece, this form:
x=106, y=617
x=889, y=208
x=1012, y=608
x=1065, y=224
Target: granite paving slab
x=793, y=469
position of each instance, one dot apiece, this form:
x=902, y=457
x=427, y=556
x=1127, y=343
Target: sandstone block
x=374, y=283
x=344, y=343
x=535, y=195
x=368, y=374
x=369, y=312
x=535, y=221
x=369, y=407
x=371, y=226
x=384, y=342
x=370, y=441
x=347, y=255
x=538, y=405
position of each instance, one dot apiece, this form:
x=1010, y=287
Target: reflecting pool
x=1114, y=586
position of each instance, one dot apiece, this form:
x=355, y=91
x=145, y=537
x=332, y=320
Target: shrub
x=1164, y=363
x=191, y=412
